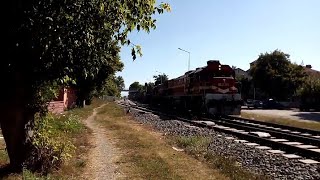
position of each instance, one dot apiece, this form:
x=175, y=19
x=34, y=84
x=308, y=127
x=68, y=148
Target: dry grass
x=146, y=154
x=149, y=155
x=283, y=121
x=197, y=147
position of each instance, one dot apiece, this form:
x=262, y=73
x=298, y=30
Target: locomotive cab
x=222, y=95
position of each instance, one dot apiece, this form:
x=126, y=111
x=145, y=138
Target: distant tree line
x=275, y=76
x=142, y=89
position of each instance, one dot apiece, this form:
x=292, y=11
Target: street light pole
x=189, y=57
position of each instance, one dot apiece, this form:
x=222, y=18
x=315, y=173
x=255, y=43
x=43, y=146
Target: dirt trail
x=101, y=161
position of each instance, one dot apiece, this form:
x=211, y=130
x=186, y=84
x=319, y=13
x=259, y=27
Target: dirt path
x=103, y=154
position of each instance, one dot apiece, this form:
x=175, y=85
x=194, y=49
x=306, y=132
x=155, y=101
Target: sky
x=234, y=32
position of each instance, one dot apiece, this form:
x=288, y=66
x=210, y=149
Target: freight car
x=211, y=89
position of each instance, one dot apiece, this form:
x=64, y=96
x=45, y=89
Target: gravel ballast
x=255, y=160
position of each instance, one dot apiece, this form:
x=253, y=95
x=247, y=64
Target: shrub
x=50, y=142
x=309, y=94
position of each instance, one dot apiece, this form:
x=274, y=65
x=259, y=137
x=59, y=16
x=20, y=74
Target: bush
x=50, y=142
x=309, y=94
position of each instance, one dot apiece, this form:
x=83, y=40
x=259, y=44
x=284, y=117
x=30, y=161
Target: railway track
x=284, y=132
x=295, y=130
x=293, y=142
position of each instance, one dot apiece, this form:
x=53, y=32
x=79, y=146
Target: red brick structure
x=311, y=72
x=65, y=100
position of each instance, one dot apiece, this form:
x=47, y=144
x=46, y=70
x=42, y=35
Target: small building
x=311, y=72
x=65, y=100
x=240, y=73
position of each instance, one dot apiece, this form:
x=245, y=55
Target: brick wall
x=70, y=98
x=56, y=107
x=65, y=100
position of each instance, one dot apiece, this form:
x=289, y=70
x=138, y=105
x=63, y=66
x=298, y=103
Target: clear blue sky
x=232, y=31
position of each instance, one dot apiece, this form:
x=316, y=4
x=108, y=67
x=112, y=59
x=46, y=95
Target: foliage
x=88, y=87
x=246, y=86
x=159, y=79
x=310, y=87
x=149, y=87
x=113, y=86
x=51, y=145
x=70, y=42
x=309, y=94
x=120, y=83
x=74, y=42
x=136, y=86
x=274, y=74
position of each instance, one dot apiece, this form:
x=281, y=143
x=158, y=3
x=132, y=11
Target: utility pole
x=189, y=57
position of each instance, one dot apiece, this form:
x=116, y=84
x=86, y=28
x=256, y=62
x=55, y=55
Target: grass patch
x=283, y=121
x=197, y=146
x=67, y=128
x=149, y=155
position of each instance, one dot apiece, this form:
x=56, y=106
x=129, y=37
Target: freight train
x=212, y=89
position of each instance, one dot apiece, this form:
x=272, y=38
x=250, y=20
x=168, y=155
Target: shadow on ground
x=6, y=170
x=311, y=116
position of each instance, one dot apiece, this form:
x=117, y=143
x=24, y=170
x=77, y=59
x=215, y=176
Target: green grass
x=4, y=159
x=60, y=129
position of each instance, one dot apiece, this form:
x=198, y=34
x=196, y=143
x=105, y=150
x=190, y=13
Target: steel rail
x=307, y=153
x=250, y=127
x=302, y=130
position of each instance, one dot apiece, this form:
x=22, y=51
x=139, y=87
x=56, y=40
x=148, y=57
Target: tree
x=138, y=91
x=309, y=93
x=136, y=86
x=275, y=75
x=159, y=79
x=149, y=86
x=120, y=83
x=112, y=86
x=61, y=42
x=245, y=87
x=90, y=86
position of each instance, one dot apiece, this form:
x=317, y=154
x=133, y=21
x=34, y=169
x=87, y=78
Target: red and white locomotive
x=211, y=89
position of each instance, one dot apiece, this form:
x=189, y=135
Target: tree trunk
x=14, y=132
x=14, y=121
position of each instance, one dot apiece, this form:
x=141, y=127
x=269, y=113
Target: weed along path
x=102, y=155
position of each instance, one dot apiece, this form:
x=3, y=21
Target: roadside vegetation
x=56, y=44
x=197, y=147
x=149, y=155
x=283, y=121
x=61, y=142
